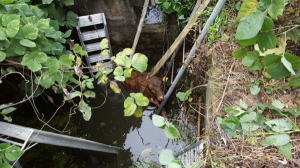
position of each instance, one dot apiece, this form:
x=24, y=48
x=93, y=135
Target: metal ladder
x=10, y=132
x=91, y=30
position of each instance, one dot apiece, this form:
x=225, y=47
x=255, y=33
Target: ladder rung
x=92, y=47
x=97, y=57
x=85, y=20
x=90, y=35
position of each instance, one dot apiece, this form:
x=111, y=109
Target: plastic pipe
x=199, y=40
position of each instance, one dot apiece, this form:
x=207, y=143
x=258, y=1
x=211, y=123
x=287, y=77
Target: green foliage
x=8, y=153
x=166, y=157
x=133, y=104
x=183, y=96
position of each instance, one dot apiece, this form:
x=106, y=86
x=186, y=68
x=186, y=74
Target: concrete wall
x=122, y=22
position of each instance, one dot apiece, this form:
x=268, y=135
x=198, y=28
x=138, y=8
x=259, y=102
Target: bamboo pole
x=178, y=40
x=138, y=32
x=199, y=120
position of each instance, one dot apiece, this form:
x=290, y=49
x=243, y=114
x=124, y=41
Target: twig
x=137, y=35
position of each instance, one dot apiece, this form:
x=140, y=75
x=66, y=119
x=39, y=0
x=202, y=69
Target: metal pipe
x=199, y=40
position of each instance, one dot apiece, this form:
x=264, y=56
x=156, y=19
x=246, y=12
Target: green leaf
x=248, y=42
x=239, y=53
x=27, y=43
x=119, y=78
x=248, y=117
x=286, y=150
x=8, y=110
x=250, y=25
x=171, y=132
x=78, y=49
x=2, y=56
x=19, y=50
x=47, y=1
x=13, y=153
x=166, y=157
x=75, y=94
x=247, y=61
x=277, y=140
x=72, y=19
x=254, y=90
x=104, y=43
x=140, y=99
x=30, y=32
x=53, y=65
x=271, y=59
x=118, y=71
x=68, y=2
x=2, y=35
x=67, y=34
x=166, y=5
x=256, y=65
x=278, y=104
x=114, y=86
x=268, y=24
x=249, y=127
x=280, y=124
x=6, y=2
x=138, y=111
x=229, y=129
x=127, y=72
x=158, y=120
x=276, y=8
x=52, y=33
x=266, y=40
x=7, y=118
x=13, y=28
x=130, y=107
x=293, y=81
x=33, y=60
x=127, y=51
x=5, y=165
x=174, y=165
x=64, y=60
x=43, y=25
x=294, y=60
x=246, y=8
x=105, y=52
x=7, y=18
x=86, y=110
x=122, y=59
x=159, y=1
x=89, y=93
x=243, y=105
x=277, y=70
x=139, y=62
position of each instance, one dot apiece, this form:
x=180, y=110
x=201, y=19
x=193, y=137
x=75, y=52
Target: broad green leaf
x=8, y=110
x=229, y=128
x=13, y=28
x=166, y=5
x=33, y=60
x=294, y=113
x=86, y=110
x=171, y=132
x=159, y=1
x=158, y=120
x=52, y=33
x=65, y=61
x=127, y=51
x=249, y=127
x=139, y=62
x=43, y=25
x=138, y=111
x=247, y=61
x=295, y=80
x=166, y=157
x=250, y=25
x=78, y=49
x=114, y=86
x=30, y=32
x=68, y=2
x=122, y=59
x=119, y=78
x=263, y=5
x=286, y=150
x=256, y=65
x=46, y=80
x=71, y=19
x=104, y=43
x=239, y=53
x=271, y=59
x=89, y=93
x=2, y=35
x=7, y=18
x=127, y=72
x=130, y=106
x=246, y=8
x=2, y=56
x=67, y=34
x=13, y=153
x=277, y=140
x=275, y=68
x=278, y=104
x=276, y=8
x=53, y=65
x=105, y=52
x=6, y=2
x=75, y=94
x=243, y=105
x=5, y=165
x=266, y=40
x=280, y=124
x=118, y=71
x=268, y=24
x=174, y=165
x=294, y=60
x=140, y=99
x=19, y=50
x=248, y=42
x=248, y=117
x=27, y=43
x=254, y=90
x=7, y=118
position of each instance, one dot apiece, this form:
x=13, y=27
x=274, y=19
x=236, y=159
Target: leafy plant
x=8, y=153
x=256, y=26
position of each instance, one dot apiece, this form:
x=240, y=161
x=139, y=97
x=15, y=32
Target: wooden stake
x=199, y=120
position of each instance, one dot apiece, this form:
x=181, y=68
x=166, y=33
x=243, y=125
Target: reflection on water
x=154, y=15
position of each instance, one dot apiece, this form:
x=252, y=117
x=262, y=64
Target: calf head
x=155, y=86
